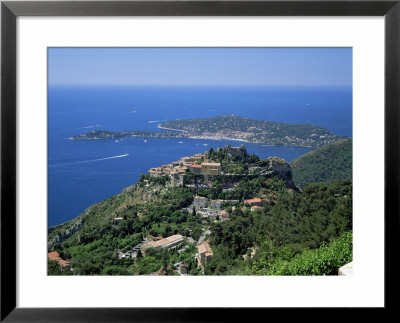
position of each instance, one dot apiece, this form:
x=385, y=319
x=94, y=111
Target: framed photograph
x=173, y=155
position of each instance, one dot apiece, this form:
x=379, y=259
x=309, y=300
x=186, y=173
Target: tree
x=196, y=233
x=167, y=231
x=210, y=153
x=165, y=257
x=53, y=268
x=139, y=254
x=114, y=271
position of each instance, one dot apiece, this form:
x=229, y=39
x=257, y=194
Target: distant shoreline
x=231, y=128
x=225, y=138
x=196, y=138
x=165, y=128
x=243, y=140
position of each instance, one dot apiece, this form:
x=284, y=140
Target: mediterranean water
x=81, y=173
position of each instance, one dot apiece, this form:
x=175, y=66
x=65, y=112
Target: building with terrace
x=210, y=168
x=204, y=254
x=168, y=243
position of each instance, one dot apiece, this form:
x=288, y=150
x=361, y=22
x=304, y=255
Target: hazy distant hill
x=255, y=131
x=230, y=128
x=327, y=164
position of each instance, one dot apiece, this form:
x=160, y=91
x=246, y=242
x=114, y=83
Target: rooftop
x=251, y=201
x=54, y=255
x=205, y=248
x=165, y=241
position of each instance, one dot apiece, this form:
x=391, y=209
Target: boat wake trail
x=91, y=160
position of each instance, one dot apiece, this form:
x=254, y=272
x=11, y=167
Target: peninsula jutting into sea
x=230, y=127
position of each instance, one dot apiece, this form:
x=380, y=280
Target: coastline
x=165, y=128
x=230, y=139
x=220, y=138
x=196, y=137
x=245, y=141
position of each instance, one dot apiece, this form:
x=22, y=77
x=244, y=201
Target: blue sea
x=81, y=173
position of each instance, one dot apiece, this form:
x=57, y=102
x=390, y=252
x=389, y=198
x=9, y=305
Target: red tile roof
x=54, y=255
x=205, y=248
x=253, y=201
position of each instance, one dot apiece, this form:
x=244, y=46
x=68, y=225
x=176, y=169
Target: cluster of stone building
x=177, y=170
x=204, y=253
x=207, y=208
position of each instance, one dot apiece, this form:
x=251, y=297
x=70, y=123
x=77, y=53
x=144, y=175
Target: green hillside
x=328, y=164
x=255, y=221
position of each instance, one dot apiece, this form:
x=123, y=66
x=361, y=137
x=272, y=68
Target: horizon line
x=200, y=85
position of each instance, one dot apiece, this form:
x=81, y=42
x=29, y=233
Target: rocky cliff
x=65, y=233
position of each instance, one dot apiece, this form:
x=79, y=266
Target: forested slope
x=327, y=164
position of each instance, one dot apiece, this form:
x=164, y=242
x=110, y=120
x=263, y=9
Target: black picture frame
x=10, y=10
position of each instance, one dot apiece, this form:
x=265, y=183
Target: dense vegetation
x=327, y=164
x=53, y=268
x=322, y=261
x=93, y=249
x=298, y=221
x=266, y=186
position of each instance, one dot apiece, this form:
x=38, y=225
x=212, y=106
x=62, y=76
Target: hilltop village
x=209, y=210
x=221, y=212
x=177, y=170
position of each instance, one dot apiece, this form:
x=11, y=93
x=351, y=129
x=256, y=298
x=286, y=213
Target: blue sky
x=201, y=66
